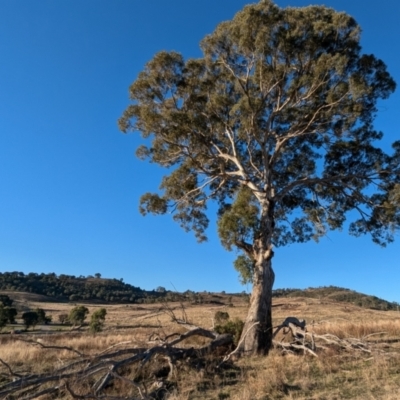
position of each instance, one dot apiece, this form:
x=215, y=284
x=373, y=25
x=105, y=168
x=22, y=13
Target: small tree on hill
x=74, y=297
x=97, y=320
x=6, y=300
x=275, y=125
x=10, y=313
x=78, y=315
x=42, y=318
x=3, y=317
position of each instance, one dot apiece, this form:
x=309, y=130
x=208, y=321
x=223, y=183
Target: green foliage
x=245, y=266
x=234, y=328
x=238, y=220
x=97, y=320
x=42, y=318
x=9, y=314
x=30, y=318
x=275, y=124
x=5, y=300
x=3, y=317
x=221, y=317
x=78, y=315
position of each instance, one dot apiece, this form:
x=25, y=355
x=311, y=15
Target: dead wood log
x=290, y=322
x=310, y=342
x=107, y=366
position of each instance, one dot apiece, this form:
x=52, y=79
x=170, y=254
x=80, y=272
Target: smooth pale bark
x=257, y=332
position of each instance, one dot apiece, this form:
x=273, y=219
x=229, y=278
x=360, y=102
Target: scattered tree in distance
x=42, y=317
x=6, y=300
x=30, y=318
x=10, y=313
x=97, y=320
x=3, y=317
x=63, y=318
x=78, y=315
x=7, y=313
x=275, y=125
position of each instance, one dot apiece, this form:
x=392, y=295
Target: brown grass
x=333, y=375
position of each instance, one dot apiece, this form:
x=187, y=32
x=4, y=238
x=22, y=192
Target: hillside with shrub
x=97, y=289
x=338, y=294
x=71, y=288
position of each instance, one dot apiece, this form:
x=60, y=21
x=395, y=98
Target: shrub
x=5, y=300
x=10, y=313
x=7, y=315
x=43, y=319
x=78, y=315
x=220, y=317
x=63, y=318
x=234, y=328
x=97, y=320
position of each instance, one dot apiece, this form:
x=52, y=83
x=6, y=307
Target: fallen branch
x=105, y=367
x=310, y=342
x=35, y=343
x=12, y=373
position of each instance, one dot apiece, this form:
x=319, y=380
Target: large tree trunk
x=257, y=332
x=256, y=337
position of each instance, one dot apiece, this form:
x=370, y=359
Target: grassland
x=335, y=374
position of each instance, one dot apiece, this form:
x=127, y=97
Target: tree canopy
x=30, y=318
x=275, y=124
x=78, y=315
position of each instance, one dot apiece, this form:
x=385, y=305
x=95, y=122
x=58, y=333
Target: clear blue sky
x=69, y=180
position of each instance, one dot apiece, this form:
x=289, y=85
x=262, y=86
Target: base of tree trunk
x=256, y=338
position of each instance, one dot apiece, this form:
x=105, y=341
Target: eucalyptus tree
x=275, y=124
x=78, y=315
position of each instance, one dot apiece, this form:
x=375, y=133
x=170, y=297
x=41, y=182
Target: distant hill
x=96, y=289
x=71, y=288
x=335, y=294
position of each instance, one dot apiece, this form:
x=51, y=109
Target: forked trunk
x=257, y=332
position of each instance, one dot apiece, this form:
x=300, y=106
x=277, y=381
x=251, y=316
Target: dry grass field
x=335, y=374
